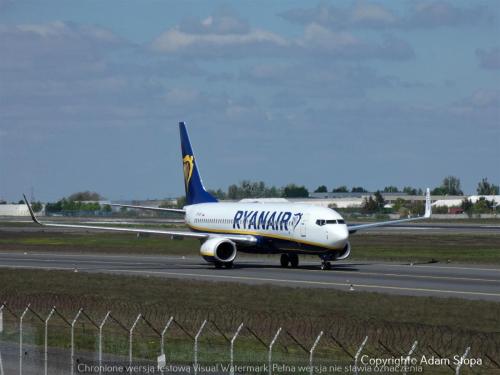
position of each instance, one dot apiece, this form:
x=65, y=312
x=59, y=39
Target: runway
x=438, y=280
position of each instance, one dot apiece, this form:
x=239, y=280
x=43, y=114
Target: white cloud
x=371, y=15
x=316, y=40
x=175, y=40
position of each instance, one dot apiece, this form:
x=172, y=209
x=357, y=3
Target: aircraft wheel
x=284, y=260
x=326, y=266
x=294, y=260
x=228, y=265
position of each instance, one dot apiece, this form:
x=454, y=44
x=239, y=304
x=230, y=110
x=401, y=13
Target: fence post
x=163, y=333
x=21, y=339
x=1, y=364
x=358, y=353
x=1, y=318
x=457, y=371
x=232, y=348
x=408, y=357
x=313, y=348
x=196, y=346
x=46, y=349
x=73, y=322
x=270, y=355
x=100, y=339
x=130, y=333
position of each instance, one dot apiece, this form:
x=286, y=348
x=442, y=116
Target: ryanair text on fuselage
x=266, y=220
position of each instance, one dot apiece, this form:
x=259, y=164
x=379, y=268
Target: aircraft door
x=303, y=226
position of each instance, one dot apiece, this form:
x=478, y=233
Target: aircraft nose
x=340, y=235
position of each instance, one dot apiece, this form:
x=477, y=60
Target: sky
x=356, y=93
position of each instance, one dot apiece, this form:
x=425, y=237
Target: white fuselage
x=283, y=226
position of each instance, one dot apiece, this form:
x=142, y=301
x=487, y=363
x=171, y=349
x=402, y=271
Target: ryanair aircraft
x=224, y=228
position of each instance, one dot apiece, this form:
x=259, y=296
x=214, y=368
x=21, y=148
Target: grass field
x=391, y=321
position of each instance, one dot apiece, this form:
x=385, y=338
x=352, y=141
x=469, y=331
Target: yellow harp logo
x=188, y=163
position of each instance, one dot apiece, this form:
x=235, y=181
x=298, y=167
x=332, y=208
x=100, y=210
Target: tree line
x=450, y=185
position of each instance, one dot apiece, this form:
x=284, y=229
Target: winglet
x=31, y=210
x=428, y=207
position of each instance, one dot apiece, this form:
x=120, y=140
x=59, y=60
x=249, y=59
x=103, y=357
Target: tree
x=379, y=199
x=467, y=206
x=219, y=194
x=295, y=191
x=449, y=186
x=391, y=189
x=410, y=190
x=249, y=189
x=399, y=203
x=485, y=188
x=36, y=206
x=181, y=201
x=358, y=189
x=369, y=205
x=321, y=189
x=340, y=189
x=85, y=196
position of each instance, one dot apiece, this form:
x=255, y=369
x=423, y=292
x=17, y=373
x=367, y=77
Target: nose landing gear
x=292, y=259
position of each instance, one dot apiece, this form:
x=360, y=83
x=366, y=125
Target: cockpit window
x=322, y=222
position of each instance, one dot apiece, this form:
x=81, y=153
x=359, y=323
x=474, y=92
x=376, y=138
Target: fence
x=57, y=342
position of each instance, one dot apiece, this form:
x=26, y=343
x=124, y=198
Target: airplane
x=225, y=228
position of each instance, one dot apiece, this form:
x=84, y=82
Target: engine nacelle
x=344, y=254
x=218, y=250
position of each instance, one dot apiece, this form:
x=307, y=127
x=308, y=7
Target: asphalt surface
x=439, y=280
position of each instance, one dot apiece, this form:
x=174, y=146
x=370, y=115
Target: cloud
x=323, y=41
x=321, y=80
x=218, y=45
x=316, y=40
x=480, y=108
x=489, y=59
x=55, y=48
x=444, y=14
x=222, y=21
x=371, y=15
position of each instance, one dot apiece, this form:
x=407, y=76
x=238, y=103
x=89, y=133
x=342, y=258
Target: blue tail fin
x=195, y=191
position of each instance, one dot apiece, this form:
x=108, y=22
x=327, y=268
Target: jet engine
x=344, y=254
x=218, y=250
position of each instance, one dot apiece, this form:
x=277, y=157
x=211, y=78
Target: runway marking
x=249, y=278
x=445, y=267
x=401, y=275
x=98, y=262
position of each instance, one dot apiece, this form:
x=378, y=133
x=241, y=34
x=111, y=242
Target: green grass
x=458, y=248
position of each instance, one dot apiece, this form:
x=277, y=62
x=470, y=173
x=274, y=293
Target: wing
x=427, y=214
x=178, y=210
x=242, y=239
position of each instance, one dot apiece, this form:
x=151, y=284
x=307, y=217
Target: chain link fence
x=40, y=340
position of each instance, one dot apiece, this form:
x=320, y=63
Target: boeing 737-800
x=224, y=228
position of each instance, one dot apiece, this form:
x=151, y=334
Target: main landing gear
x=289, y=259
x=326, y=265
